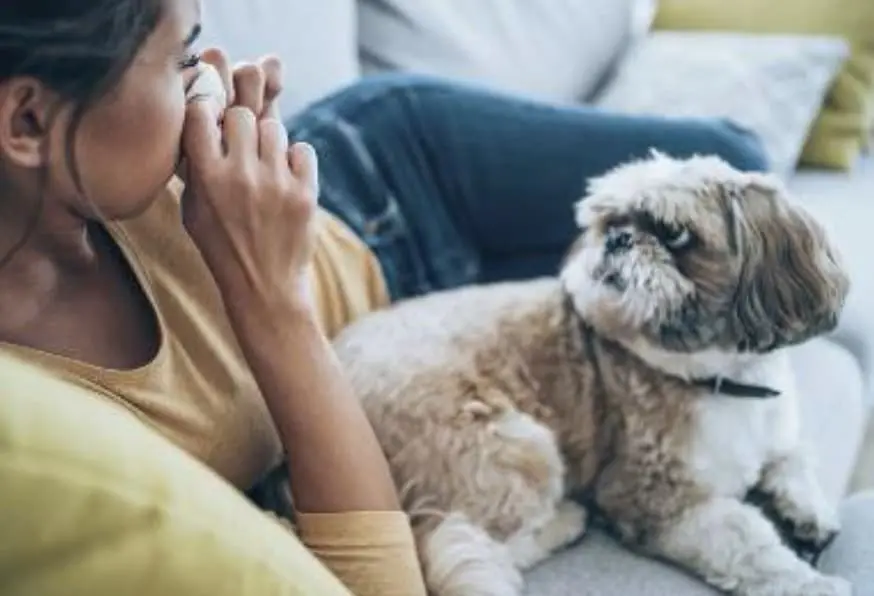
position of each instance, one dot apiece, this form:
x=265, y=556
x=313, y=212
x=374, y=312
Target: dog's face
x=690, y=255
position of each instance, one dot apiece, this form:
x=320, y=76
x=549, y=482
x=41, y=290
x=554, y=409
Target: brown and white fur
x=512, y=412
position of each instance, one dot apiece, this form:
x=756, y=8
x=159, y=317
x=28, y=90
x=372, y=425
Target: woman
x=189, y=313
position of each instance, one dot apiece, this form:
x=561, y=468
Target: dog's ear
x=792, y=285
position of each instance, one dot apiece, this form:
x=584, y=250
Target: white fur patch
x=736, y=549
x=734, y=437
x=460, y=559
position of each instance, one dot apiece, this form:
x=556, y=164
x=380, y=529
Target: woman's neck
x=42, y=255
x=43, y=231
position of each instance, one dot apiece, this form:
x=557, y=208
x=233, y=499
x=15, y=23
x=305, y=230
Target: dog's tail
x=461, y=559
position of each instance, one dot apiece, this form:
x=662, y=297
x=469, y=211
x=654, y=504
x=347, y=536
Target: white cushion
x=556, y=50
x=773, y=85
x=643, y=14
x=315, y=39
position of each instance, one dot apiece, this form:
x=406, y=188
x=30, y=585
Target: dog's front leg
x=732, y=546
x=794, y=497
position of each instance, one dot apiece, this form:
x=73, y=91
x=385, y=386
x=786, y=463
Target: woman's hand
x=249, y=206
x=250, y=198
x=255, y=85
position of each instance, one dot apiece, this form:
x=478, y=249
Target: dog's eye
x=675, y=237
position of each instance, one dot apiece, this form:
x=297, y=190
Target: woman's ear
x=26, y=110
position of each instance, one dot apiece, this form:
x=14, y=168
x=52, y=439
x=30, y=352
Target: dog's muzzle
x=618, y=241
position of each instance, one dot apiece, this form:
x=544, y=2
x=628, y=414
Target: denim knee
x=739, y=146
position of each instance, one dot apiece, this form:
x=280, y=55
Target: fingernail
x=313, y=159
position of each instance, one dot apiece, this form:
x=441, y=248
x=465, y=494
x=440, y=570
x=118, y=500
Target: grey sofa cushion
x=316, y=41
x=598, y=566
x=852, y=554
x=556, y=50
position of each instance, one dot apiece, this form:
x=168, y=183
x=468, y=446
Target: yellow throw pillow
x=93, y=503
x=844, y=125
x=833, y=139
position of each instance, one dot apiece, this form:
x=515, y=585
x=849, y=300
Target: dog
x=647, y=386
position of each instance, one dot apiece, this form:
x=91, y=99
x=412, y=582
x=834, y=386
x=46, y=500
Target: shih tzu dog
x=647, y=386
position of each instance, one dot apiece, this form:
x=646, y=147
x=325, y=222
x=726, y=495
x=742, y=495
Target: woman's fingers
x=305, y=165
x=241, y=133
x=250, y=84
x=251, y=126
x=272, y=68
x=253, y=85
x=201, y=137
x=219, y=60
x=273, y=141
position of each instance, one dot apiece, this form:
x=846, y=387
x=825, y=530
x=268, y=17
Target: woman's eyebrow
x=192, y=36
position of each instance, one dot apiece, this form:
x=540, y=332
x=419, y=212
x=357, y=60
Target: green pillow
x=844, y=124
x=94, y=502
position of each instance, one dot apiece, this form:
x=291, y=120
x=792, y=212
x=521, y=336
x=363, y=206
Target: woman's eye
x=189, y=61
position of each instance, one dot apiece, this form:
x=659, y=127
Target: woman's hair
x=80, y=49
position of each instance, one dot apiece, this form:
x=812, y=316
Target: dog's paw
x=568, y=526
x=815, y=585
x=807, y=522
x=812, y=531
x=531, y=546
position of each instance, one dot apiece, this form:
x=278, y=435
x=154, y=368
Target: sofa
x=328, y=44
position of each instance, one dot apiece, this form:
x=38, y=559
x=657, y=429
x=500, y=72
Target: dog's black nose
x=618, y=240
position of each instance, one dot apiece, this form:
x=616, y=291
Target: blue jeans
x=451, y=185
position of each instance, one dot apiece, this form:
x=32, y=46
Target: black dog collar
x=723, y=386
x=717, y=385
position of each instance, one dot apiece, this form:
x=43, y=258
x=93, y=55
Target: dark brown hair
x=78, y=48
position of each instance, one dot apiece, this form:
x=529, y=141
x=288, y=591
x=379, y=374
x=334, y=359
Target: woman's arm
x=249, y=205
x=348, y=513
x=333, y=455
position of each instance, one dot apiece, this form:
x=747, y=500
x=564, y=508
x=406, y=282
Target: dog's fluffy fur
x=510, y=412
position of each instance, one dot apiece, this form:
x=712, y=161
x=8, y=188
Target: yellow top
x=199, y=393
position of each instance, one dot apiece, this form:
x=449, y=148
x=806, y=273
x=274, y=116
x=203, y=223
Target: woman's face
x=127, y=145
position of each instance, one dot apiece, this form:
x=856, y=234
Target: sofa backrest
x=316, y=40
x=557, y=50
